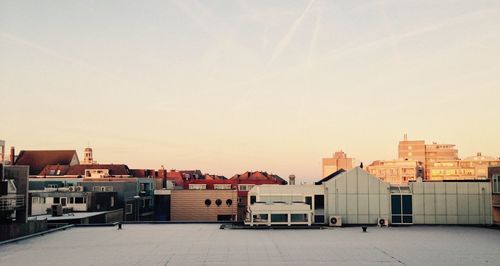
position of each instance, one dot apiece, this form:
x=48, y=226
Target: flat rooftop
x=206, y=244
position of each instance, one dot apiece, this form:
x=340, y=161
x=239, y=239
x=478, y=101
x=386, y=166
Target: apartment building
x=338, y=161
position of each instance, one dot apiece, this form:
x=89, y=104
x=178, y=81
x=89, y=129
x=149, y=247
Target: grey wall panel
x=429, y=204
x=363, y=184
x=474, y=205
x=463, y=204
x=352, y=182
x=451, y=204
x=363, y=204
x=441, y=204
x=462, y=188
x=352, y=204
x=374, y=208
x=440, y=188
x=418, y=204
x=451, y=188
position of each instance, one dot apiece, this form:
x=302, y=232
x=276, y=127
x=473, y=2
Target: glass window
x=496, y=184
x=396, y=219
x=79, y=200
x=302, y=217
x=260, y=217
x=71, y=200
x=279, y=218
x=57, y=200
x=396, y=204
x=407, y=204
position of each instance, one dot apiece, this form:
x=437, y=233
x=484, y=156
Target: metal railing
x=11, y=202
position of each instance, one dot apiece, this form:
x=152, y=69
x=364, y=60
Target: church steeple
x=88, y=159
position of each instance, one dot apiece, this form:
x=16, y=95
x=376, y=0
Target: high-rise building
x=412, y=150
x=395, y=171
x=337, y=162
x=441, y=161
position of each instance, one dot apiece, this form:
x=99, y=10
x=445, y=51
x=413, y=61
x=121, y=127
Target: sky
x=231, y=86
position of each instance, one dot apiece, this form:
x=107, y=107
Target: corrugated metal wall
x=358, y=197
x=189, y=205
x=452, y=203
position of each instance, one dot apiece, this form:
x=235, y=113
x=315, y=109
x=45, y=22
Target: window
x=319, y=202
x=302, y=217
x=57, y=200
x=496, y=184
x=52, y=186
x=197, y=186
x=208, y=202
x=229, y=202
x=319, y=219
x=222, y=186
x=279, y=218
x=245, y=187
x=128, y=209
x=64, y=200
x=79, y=200
x=253, y=199
x=218, y=202
x=260, y=217
x=35, y=200
x=402, y=209
x=71, y=200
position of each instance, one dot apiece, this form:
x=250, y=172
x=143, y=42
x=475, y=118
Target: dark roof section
x=54, y=170
x=333, y=175
x=38, y=160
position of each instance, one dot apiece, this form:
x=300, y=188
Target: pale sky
x=230, y=86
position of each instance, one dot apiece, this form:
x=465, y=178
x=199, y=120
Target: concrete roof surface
x=206, y=244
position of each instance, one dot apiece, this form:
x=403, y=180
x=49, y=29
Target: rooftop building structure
x=357, y=197
x=338, y=161
x=37, y=160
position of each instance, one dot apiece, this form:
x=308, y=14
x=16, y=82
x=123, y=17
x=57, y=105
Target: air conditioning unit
x=78, y=188
x=383, y=222
x=57, y=210
x=335, y=221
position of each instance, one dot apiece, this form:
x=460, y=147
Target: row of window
x=60, y=200
x=281, y=217
x=218, y=202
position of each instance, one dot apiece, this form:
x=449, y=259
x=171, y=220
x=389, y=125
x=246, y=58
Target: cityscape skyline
x=233, y=86
x=212, y=170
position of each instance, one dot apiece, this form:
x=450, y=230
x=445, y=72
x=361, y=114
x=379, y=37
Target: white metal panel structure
x=452, y=203
x=357, y=196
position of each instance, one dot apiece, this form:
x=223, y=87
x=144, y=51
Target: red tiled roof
x=38, y=160
x=258, y=177
x=54, y=170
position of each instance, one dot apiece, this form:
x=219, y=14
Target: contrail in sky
x=283, y=43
